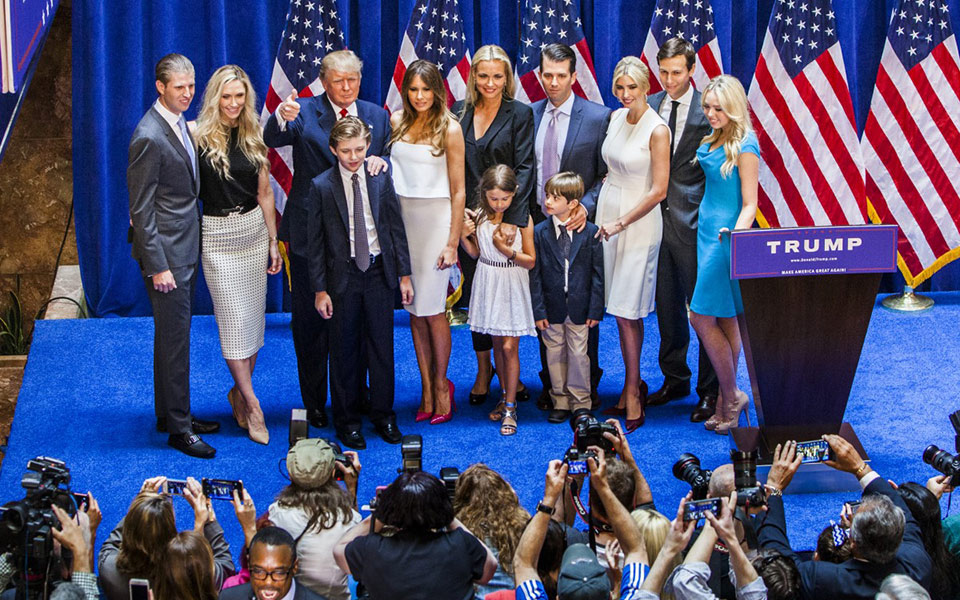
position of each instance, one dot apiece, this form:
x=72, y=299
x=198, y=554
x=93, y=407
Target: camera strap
x=585, y=513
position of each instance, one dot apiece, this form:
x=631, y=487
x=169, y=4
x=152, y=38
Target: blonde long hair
x=732, y=98
x=487, y=506
x=213, y=135
x=489, y=52
x=654, y=528
x=438, y=118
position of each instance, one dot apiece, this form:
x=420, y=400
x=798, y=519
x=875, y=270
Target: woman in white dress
x=427, y=158
x=637, y=153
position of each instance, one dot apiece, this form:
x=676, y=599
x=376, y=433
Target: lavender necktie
x=550, y=162
x=185, y=138
x=361, y=245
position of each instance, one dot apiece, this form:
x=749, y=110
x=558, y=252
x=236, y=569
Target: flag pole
x=907, y=301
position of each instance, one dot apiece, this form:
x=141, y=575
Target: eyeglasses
x=276, y=575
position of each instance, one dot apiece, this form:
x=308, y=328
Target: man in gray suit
x=163, y=184
x=679, y=105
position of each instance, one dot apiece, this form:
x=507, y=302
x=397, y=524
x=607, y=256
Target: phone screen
x=695, y=510
x=139, y=589
x=221, y=489
x=813, y=452
x=175, y=486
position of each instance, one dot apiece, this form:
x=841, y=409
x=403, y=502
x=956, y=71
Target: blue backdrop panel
x=117, y=42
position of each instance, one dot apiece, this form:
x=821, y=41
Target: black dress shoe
x=594, y=400
x=669, y=391
x=352, y=439
x=388, y=430
x=544, y=401
x=191, y=445
x=198, y=426
x=523, y=395
x=705, y=408
x=318, y=418
x=558, y=416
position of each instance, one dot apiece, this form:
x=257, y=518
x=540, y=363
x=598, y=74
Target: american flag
x=435, y=33
x=545, y=22
x=312, y=29
x=812, y=168
x=911, y=145
x=691, y=20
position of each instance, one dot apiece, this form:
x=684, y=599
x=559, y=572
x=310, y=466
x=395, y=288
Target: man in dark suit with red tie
x=305, y=124
x=357, y=253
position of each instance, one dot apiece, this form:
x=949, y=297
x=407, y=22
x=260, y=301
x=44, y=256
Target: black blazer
x=508, y=141
x=581, y=148
x=328, y=230
x=853, y=578
x=584, y=297
x=245, y=592
x=309, y=134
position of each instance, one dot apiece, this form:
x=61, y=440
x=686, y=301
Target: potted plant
x=13, y=342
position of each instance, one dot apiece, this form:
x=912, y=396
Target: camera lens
x=683, y=464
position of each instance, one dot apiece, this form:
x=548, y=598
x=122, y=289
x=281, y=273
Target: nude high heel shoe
x=257, y=426
x=733, y=415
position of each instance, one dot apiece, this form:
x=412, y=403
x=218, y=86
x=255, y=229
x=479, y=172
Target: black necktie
x=563, y=239
x=673, y=125
x=361, y=245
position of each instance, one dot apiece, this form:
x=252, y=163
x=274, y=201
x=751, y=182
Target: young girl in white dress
x=500, y=304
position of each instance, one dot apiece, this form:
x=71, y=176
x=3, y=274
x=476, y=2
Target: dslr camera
x=749, y=494
x=687, y=468
x=943, y=461
x=588, y=431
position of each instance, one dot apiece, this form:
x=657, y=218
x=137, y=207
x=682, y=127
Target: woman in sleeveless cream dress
x=637, y=153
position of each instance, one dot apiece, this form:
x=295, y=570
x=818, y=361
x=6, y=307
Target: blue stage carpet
x=87, y=399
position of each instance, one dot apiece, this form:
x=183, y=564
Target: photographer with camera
x=885, y=537
x=924, y=504
x=413, y=547
x=137, y=547
x=316, y=511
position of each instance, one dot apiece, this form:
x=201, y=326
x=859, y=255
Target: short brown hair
x=170, y=64
x=567, y=184
x=678, y=47
x=349, y=127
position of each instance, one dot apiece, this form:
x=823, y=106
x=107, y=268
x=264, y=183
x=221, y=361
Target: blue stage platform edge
x=87, y=399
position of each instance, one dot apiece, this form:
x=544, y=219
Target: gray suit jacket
x=685, y=190
x=163, y=192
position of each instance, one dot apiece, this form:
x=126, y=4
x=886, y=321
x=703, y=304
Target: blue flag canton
x=312, y=30
x=436, y=31
x=802, y=30
x=691, y=20
x=917, y=27
x=546, y=22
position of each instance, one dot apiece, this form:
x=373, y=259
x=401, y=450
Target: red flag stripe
x=948, y=66
x=943, y=121
x=709, y=62
x=838, y=83
x=766, y=209
x=774, y=161
x=279, y=170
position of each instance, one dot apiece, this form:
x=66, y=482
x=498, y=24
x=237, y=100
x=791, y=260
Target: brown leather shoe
x=669, y=391
x=705, y=408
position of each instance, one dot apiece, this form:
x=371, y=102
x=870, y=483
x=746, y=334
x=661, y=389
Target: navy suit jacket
x=853, y=578
x=584, y=298
x=329, y=231
x=309, y=134
x=581, y=149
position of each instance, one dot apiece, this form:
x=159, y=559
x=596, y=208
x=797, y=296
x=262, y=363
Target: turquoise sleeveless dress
x=719, y=208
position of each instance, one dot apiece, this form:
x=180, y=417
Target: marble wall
x=36, y=178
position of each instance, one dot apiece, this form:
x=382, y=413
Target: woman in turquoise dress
x=730, y=158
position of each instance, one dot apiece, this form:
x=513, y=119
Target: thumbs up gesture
x=289, y=108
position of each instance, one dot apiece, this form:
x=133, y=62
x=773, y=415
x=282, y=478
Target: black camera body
x=449, y=476
x=749, y=494
x=340, y=457
x=576, y=460
x=943, y=461
x=588, y=431
x=687, y=468
x=411, y=454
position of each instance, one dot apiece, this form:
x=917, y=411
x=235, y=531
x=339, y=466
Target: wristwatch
x=546, y=508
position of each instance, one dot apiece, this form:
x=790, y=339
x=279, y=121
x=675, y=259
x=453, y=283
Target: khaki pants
x=568, y=364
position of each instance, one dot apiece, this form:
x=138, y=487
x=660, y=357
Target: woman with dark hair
x=316, y=511
x=925, y=507
x=427, y=156
x=486, y=504
x=412, y=546
x=187, y=572
x=136, y=548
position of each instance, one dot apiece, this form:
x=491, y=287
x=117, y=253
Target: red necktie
x=343, y=112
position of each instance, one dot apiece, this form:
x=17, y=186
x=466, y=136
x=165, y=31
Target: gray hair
x=170, y=64
x=901, y=587
x=877, y=529
x=68, y=591
x=341, y=60
x=721, y=482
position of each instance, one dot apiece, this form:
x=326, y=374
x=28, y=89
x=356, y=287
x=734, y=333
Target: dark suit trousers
x=171, y=349
x=676, y=277
x=362, y=320
x=310, y=332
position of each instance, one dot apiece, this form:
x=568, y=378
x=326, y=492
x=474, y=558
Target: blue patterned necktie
x=187, y=144
x=361, y=246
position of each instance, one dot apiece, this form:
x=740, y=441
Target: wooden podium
x=804, y=297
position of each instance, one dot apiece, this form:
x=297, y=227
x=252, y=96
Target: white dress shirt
x=293, y=591
x=683, y=109
x=563, y=124
x=347, y=177
x=172, y=119
x=560, y=228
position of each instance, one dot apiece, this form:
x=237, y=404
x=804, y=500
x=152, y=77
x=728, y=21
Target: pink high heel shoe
x=438, y=419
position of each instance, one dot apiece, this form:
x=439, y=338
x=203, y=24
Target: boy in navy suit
x=566, y=287
x=357, y=253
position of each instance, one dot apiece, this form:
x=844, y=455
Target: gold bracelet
x=860, y=470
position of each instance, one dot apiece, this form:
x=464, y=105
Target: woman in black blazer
x=497, y=130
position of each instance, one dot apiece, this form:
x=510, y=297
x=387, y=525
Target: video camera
x=943, y=461
x=687, y=468
x=749, y=494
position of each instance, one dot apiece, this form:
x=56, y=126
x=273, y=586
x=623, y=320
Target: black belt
x=226, y=212
x=373, y=259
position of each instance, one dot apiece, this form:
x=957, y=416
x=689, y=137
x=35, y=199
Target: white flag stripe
x=771, y=187
x=904, y=217
x=587, y=83
x=945, y=93
x=458, y=87
x=650, y=50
